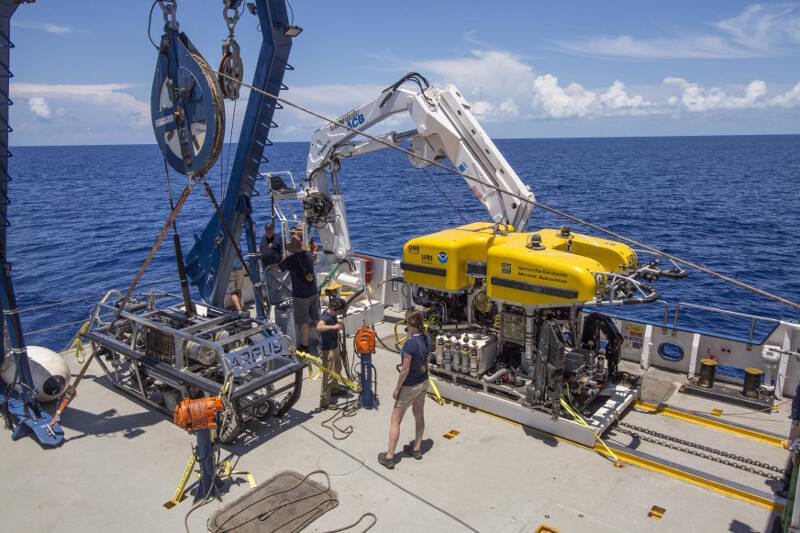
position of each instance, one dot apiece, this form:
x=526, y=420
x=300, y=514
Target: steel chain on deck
x=719, y=456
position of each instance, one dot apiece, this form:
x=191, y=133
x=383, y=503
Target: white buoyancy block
x=49, y=371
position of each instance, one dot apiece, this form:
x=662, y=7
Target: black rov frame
x=160, y=355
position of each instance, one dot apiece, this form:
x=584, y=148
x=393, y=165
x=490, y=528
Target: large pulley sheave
x=186, y=105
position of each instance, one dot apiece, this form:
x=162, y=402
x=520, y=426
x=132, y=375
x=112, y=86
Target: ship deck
x=121, y=461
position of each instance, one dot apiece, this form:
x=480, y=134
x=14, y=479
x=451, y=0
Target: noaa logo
x=442, y=257
x=505, y=268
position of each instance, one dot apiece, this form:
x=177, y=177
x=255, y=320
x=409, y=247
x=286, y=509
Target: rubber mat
x=286, y=503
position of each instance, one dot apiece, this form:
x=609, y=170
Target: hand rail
x=753, y=318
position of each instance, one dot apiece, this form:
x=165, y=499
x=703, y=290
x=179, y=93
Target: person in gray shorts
x=305, y=295
x=411, y=389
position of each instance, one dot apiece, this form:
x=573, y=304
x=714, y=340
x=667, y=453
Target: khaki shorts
x=306, y=309
x=408, y=394
x=238, y=280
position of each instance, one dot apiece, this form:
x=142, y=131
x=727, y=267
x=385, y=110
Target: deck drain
x=451, y=434
x=656, y=512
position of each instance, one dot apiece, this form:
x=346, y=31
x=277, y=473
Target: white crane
x=445, y=128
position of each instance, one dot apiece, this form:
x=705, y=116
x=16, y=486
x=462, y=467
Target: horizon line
x=494, y=139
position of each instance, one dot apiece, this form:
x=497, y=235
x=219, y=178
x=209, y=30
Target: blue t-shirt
x=418, y=347
x=301, y=269
x=329, y=339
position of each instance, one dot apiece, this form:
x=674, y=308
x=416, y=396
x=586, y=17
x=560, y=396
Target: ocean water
x=84, y=217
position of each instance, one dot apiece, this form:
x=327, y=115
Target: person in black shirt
x=271, y=247
x=412, y=386
x=328, y=328
x=305, y=295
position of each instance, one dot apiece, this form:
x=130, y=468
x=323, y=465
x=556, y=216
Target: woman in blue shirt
x=412, y=386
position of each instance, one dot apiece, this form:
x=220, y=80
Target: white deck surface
x=121, y=462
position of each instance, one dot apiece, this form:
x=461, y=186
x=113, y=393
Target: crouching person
x=411, y=389
x=328, y=328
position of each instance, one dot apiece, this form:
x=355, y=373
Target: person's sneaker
x=388, y=463
x=409, y=450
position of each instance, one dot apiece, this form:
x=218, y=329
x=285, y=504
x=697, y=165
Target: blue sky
x=83, y=69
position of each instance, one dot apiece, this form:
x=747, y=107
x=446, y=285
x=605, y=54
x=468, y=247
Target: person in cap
x=305, y=295
x=271, y=247
x=328, y=328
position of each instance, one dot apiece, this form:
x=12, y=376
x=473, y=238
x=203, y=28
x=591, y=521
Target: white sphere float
x=49, y=371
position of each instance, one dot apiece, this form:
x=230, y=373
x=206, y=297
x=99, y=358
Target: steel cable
x=522, y=198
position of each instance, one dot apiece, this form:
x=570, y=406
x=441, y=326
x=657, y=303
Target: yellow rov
x=546, y=268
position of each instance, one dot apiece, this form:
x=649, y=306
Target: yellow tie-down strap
x=435, y=393
x=80, y=351
x=314, y=361
x=178, y=496
x=226, y=470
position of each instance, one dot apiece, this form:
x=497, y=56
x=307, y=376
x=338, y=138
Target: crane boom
x=445, y=128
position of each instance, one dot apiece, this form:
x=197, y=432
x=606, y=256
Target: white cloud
x=790, y=98
x=108, y=96
x=39, y=107
x=55, y=29
x=509, y=108
x=557, y=102
x=483, y=73
x=696, y=47
x=554, y=101
x=697, y=99
x=488, y=112
x=760, y=30
x=495, y=80
x=762, y=27
x=617, y=98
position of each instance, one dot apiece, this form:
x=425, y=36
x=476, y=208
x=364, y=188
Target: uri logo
x=442, y=257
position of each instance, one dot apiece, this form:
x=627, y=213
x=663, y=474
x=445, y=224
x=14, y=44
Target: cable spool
x=186, y=106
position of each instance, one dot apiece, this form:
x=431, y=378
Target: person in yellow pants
x=328, y=328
